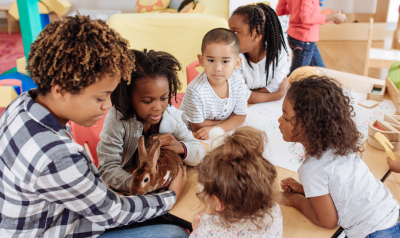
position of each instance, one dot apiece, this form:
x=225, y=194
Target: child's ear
x=218, y=204
x=58, y=93
x=238, y=62
x=200, y=58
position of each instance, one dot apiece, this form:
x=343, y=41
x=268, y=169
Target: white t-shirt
x=363, y=204
x=201, y=103
x=256, y=77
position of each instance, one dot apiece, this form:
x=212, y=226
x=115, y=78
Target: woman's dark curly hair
x=240, y=176
x=324, y=113
x=264, y=20
x=74, y=52
x=149, y=64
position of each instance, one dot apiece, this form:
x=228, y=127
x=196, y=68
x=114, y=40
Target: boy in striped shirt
x=214, y=97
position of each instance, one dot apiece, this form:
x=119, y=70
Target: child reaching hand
x=336, y=185
x=144, y=108
x=239, y=188
x=262, y=50
x=303, y=32
x=214, y=97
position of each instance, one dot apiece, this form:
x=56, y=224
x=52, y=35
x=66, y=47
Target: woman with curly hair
x=49, y=185
x=144, y=108
x=336, y=187
x=263, y=52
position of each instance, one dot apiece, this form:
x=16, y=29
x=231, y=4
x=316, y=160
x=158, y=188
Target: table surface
x=296, y=224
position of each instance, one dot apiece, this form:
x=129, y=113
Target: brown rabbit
x=157, y=167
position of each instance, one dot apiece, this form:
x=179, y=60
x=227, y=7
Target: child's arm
x=307, y=14
x=263, y=95
x=319, y=210
x=394, y=165
x=337, y=18
x=281, y=8
x=233, y=122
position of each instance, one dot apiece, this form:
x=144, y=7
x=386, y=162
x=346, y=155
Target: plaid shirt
x=50, y=188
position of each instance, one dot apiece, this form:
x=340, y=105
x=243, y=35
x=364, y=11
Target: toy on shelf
x=376, y=92
x=389, y=128
x=386, y=145
x=394, y=94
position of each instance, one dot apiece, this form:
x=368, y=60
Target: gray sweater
x=119, y=141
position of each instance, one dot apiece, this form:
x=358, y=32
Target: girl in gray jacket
x=143, y=107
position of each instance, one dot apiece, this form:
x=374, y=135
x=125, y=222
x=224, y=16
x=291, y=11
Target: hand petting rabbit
x=157, y=167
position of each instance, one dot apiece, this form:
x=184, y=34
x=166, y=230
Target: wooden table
x=296, y=224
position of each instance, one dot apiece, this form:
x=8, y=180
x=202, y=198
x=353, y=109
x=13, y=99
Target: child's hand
x=290, y=185
x=287, y=198
x=203, y=133
x=394, y=165
x=196, y=220
x=339, y=18
x=179, y=182
x=170, y=143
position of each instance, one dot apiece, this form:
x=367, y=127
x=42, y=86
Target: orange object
x=88, y=135
x=11, y=82
x=191, y=71
x=379, y=127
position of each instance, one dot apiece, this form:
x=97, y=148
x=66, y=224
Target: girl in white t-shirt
x=336, y=187
x=263, y=52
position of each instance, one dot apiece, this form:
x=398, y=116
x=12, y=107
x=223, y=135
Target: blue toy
x=321, y=3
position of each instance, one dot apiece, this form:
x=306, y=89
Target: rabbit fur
x=157, y=167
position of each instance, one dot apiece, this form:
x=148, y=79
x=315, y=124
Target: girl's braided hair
x=149, y=65
x=75, y=51
x=263, y=19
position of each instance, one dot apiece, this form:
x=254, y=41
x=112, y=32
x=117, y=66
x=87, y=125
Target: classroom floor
x=349, y=56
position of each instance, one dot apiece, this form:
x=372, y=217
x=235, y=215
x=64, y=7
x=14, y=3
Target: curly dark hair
x=324, y=113
x=149, y=64
x=264, y=20
x=238, y=174
x=75, y=51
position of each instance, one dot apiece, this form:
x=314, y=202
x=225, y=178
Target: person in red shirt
x=305, y=18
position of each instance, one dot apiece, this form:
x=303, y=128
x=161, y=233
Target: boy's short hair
x=221, y=35
x=74, y=51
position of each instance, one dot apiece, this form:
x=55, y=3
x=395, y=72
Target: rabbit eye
x=146, y=180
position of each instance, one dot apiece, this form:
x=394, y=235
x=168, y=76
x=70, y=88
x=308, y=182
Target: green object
x=394, y=73
x=30, y=22
x=377, y=90
x=13, y=70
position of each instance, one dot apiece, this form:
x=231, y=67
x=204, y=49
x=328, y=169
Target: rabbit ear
x=142, y=151
x=154, y=155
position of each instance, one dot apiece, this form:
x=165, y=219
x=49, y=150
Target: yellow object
x=14, y=10
x=21, y=65
x=178, y=34
x=386, y=144
x=60, y=7
x=303, y=72
x=7, y=95
x=151, y=5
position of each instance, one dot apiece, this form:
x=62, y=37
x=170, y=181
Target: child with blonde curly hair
x=238, y=185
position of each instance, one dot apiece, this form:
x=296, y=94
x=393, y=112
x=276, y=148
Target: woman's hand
x=170, y=143
x=290, y=185
x=179, y=182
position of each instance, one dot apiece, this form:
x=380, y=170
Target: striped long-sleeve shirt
x=50, y=188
